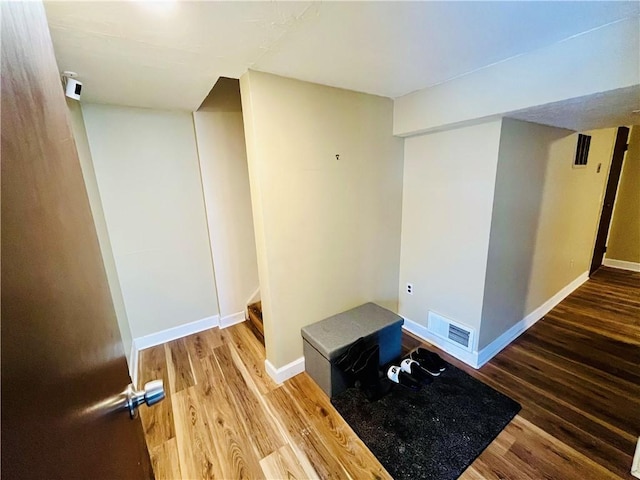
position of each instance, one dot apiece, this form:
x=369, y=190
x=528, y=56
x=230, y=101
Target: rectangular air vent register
x=452, y=332
x=582, y=151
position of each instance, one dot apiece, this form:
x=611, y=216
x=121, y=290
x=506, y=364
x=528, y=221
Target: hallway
x=574, y=372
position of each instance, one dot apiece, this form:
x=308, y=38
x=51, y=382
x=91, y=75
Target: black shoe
x=396, y=375
x=429, y=360
x=349, y=357
x=346, y=362
x=367, y=374
x=365, y=362
x=414, y=369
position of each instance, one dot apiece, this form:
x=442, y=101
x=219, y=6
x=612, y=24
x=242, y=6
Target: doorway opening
x=600, y=246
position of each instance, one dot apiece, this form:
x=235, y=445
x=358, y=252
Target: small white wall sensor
x=72, y=87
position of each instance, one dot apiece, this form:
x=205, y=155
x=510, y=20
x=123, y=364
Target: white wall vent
x=451, y=331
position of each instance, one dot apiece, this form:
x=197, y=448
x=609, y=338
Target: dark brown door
x=609, y=198
x=62, y=357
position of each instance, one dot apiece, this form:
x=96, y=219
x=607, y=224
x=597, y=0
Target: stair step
x=255, y=320
x=255, y=315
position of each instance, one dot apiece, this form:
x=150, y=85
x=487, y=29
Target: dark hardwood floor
x=575, y=373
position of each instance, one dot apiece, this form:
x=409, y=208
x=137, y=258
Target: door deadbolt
x=152, y=393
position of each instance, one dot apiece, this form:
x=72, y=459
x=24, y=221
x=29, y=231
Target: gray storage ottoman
x=326, y=340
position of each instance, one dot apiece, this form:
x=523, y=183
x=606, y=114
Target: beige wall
x=146, y=165
x=544, y=222
x=86, y=162
x=449, y=180
x=327, y=230
x=569, y=215
x=225, y=181
x=522, y=166
x=624, y=237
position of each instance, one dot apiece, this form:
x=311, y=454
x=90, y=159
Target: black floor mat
x=433, y=434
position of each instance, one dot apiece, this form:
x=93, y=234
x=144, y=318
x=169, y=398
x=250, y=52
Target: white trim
x=622, y=264
x=478, y=359
x=232, y=319
x=491, y=350
x=255, y=297
x=451, y=348
x=635, y=465
x=164, y=336
x=281, y=374
x=173, y=333
x=495, y=347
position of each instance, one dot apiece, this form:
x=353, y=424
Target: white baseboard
x=495, y=347
x=478, y=359
x=232, y=319
x=491, y=350
x=622, y=264
x=173, y=333
x=167, y=335
x=285, y=373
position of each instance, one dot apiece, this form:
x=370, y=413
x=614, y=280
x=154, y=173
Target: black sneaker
x=429, y=360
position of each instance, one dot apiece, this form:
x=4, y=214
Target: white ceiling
x=607, y=109
x=170, y=54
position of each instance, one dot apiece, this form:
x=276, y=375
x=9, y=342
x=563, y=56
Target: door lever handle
x=152, y=393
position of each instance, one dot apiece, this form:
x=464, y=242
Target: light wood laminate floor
x=575, y=373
